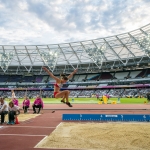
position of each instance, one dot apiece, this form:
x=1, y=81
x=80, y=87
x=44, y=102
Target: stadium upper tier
x=128, y=49
x=103, y=78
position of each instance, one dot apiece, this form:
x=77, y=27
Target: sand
x=23, y=117
x=99, y=136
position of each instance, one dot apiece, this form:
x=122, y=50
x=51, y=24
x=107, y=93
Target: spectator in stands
x=26, y=104
x=13, y=112
x=38, y=103
x=58, y=85
x=3, y=109
x=97, y=96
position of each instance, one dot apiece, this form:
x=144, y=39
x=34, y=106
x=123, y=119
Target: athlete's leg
x=63, y=99
x=64, y=94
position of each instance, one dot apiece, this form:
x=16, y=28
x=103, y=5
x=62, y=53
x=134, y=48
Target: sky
x=37, y=22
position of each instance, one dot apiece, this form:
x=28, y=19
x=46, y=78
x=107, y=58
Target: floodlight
x=5, y=59
x=96, y=54
x=49, y=58
x=143, y=42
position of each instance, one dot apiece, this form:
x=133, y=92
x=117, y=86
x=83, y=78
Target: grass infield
x=91, y=100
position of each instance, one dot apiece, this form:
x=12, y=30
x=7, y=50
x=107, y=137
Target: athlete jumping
x=59, y=83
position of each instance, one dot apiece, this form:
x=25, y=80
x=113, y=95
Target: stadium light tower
x=49, y=57
x=5, y=59
x=96, y=54
x=143, y=43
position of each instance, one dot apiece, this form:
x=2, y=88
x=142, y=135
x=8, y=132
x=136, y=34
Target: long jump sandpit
x=23, y=117
x=99, y=136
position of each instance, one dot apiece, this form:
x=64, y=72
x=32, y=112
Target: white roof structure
x=118, y=50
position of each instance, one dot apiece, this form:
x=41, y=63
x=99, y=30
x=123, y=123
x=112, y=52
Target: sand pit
x=99, y=136
x=23, y=117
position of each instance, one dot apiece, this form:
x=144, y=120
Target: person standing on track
x=26, y=104
x=38, y=103
x=14, y=100
x=13, y=94
x=59, y=83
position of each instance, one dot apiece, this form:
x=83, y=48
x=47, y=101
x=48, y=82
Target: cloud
x=48, y=22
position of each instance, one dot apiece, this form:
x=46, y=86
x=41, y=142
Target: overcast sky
x=58, y=21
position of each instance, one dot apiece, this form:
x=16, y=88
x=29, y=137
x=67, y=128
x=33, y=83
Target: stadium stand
x=121, y=75
x=106, y=76
x=93, y=76
x=4, y=78
x=39, y=79
x=45, y=79
x=72, y=86
x=141, y=74
x=76, y=77
x=81, y=78
x=81, y=92
x=134, y=74
x=147, y=73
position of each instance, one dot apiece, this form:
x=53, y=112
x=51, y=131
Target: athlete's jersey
x=58, y=85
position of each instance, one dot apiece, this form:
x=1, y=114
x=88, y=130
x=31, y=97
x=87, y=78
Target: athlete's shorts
x=55, y=94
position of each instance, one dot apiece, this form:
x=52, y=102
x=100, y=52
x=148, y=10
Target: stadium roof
x=103, y=53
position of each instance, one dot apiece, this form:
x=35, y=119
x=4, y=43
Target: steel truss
x=119, y=51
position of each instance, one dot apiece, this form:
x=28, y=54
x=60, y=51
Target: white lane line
x=21, y=135
x=60, y=148
x=29, y=127
x=36, y=146
x=58, y=125
x=40, y=142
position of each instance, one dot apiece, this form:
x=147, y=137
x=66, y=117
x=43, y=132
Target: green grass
x=91, y=100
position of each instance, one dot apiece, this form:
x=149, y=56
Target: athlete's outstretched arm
x=72, y=73
x=57, y=79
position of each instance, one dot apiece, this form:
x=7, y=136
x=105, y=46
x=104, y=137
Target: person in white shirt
x=13, y=112
x=13, y=94
x=3, y=109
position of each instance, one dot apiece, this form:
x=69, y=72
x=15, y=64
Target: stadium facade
x=120, y=61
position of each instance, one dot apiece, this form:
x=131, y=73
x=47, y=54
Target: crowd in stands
x=83, y=93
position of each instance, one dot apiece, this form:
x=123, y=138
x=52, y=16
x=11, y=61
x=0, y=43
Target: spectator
x=3, y=109
x=38, y=103
x=97, y=96
x=13, y=112
x=13, y=94
x=26, y=104
x=148, y=98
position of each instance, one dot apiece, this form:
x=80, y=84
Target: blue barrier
x=106, y=117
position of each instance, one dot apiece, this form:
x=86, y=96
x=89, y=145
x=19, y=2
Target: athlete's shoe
x=68, y=104
x=12, y=122
x=8, y=123
x=62, y=101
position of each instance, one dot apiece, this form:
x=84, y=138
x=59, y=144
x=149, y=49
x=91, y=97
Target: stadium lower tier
x=136, y=92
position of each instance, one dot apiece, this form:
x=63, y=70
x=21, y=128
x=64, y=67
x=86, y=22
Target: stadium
x=109, y=93
x=119, y=66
